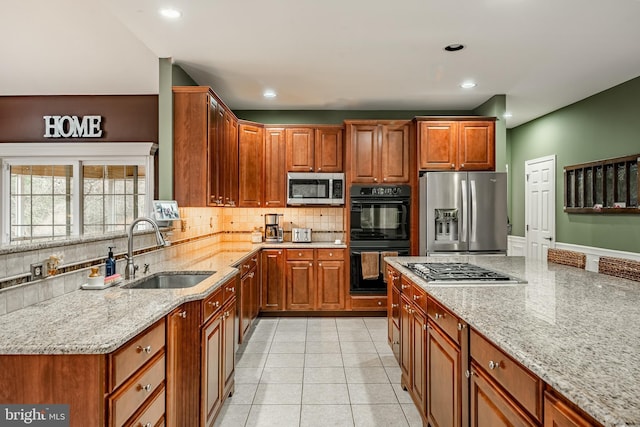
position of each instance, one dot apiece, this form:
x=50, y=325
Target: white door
x=540, y=206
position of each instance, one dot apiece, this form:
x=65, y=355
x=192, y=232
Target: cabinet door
x=490, y=406
x=300, y=285
x=183, y=364
x=365, y=156
x=190, y=147
x=331, y=285
x=394, y=154
x=216, y=148
x=228, y=348
x=418, y=359
x=559, y=414
x=405, y=341
x=476, y=146
x=328, y=149
x=247, y=296
x=437, y=145
x=250, y=155
x=444, y=405
x=230, y=158
x=394, y=322
x=275, y=172
x=300, y=150
x=211, y=372
x=273, y=276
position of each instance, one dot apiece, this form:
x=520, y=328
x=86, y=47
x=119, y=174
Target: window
x=89, y=193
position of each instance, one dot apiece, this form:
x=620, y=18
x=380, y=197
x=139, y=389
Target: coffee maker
x=272, y=230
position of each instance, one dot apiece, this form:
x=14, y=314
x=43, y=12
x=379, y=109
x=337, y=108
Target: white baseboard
x=517, y=247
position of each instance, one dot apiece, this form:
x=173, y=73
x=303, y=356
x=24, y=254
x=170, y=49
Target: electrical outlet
x=37, y=271
x=183, y=225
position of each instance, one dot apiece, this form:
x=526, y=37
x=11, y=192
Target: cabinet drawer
x=419, y=298
x=229, y=289
x=152, y=414
x=247, y=264
x=393, y=277
x=446, y=320
x=330, y=254
x=127, y=400
x=370, y=303
x=406, y=287
x=299, y=254
x=211, y=304
x=525, y=387
x=136, y=353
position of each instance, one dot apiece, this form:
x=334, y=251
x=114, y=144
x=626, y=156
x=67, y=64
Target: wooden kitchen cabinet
x=227, y=166
x=456, y=144
x=250, y=142
x=300, y=280
x=393, y=310
x=379, y=151
x=314, y=149
x=275, y=172
x=183, y=364
x=212, y=382
x=249, y=294
x=444, y=383
x=330, y=279
x=559, y=413
x=273, y=280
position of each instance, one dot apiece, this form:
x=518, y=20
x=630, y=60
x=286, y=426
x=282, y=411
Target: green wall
x=320, y=117
x=180, y=77
x=496, y=107
x=602, y=126
x=165, y=131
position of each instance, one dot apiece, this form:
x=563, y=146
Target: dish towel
x=370, y=265
x=383, y=264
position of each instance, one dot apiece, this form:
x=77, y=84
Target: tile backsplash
x=219, y=224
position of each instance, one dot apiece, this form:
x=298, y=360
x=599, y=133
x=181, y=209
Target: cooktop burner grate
x=447, y=272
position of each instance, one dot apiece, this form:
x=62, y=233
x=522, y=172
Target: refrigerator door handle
x=474, y=211
x=465, y=211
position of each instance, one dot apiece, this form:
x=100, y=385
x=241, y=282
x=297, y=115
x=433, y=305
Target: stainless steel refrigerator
x=463, y=212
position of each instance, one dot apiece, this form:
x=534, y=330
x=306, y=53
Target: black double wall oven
x=379, y=224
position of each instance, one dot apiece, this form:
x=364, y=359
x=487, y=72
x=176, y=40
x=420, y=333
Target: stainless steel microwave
x=308, y=188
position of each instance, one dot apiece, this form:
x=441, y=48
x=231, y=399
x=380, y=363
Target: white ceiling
x=328, y=54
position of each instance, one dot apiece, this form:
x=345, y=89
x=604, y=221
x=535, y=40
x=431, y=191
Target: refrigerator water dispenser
x=446, y=225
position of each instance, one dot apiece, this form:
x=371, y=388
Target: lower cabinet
x=393, y=317
x=273, y=280
x=558, y=413
x=444, y=366
x=249, y=304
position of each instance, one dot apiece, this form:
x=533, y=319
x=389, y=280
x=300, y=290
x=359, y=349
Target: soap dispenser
x=110, y=264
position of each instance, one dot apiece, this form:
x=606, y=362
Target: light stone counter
x=577, y=330
x=100, y=321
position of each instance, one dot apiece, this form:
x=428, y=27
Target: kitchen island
x=574, y=329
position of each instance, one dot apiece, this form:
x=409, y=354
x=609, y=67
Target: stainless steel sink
x=170, y=280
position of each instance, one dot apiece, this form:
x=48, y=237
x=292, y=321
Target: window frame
x=76, y=155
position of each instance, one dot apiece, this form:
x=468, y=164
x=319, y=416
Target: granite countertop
x=575, y=329
x=100, y=321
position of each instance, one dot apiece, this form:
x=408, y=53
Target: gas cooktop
x=437, y=272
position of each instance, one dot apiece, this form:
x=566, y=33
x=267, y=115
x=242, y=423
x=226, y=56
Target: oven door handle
x=393, y=202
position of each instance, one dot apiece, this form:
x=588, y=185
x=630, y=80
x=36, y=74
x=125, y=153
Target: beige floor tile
x=402, y=395
x=254, y=347
x=243, y=394
x=284, y=360
x=324, y=375
x=278, y=394
x=325, y=394
x=232, y=415
x=358, y=360
x=290, y=337
x=354, y=335
x=388, y=360
x=357, y=347
x=248, y=375
x=379, y=416
x=251, y=360
x=273, y=416
x=394, y=373
x=326, y=416
x=366, y=375
x=383, y=347
x=371, y=393
x=412, y=414
x=282, y=375
x=323, y=347
x=287, y=347
x=323, y=360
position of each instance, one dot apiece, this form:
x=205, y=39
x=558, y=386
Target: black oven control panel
x=380, y=191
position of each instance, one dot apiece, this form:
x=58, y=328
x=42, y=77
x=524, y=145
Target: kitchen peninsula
x=570, y=328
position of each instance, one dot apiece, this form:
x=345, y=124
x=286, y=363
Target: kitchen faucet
x=130, y=272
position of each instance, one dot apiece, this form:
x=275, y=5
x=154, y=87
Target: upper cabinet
x=458, y=144
x=314, y=149
x=379, y=151
x=275, y=172
x=205, y=149
x=250, y=153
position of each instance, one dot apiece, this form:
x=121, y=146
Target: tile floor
x=307, y=372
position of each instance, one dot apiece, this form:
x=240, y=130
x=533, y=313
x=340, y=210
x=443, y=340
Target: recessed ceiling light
x=454, y=47
x=467, y=85
x=507, y=115
x=170, y=13
x=269, y=93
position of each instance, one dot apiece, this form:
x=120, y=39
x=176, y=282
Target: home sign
x=72, y=126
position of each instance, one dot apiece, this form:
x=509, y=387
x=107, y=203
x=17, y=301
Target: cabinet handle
x=279, y=252
x=375, y=179
x=145, y=387
x=404, y=286
x=254, y=259
x=183, y=314
x=145, y=424
x=460, y=326
x=230, y=289
x=330, y=253
x=252, y=274
x=216, y=304
x=384, y=179
x=310, y=169
x=453, y=166
x=493, y=365
x=394, y=305
x=379, y=302
x=438, y=316
x=142, y=349
x=266, y=203
x=310, y=264
x=462, y=165
x=416, y=297
x=319, y=264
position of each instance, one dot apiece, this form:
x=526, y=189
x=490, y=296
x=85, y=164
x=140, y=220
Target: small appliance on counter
x=301, y=235
x=272, y=230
